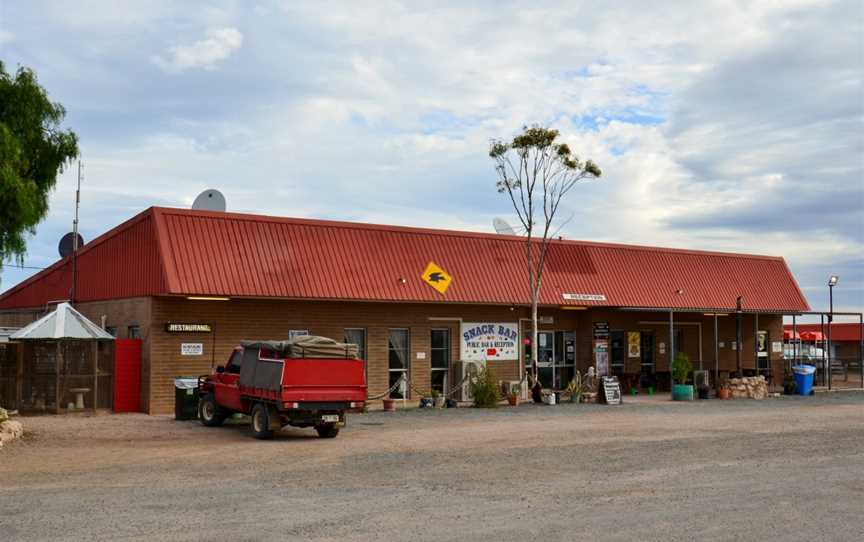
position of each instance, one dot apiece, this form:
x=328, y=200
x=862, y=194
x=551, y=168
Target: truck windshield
x=234, y=363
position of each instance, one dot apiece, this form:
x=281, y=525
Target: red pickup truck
x=298, y=383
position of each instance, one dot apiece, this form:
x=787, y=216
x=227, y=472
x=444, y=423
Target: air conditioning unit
x=466, y=371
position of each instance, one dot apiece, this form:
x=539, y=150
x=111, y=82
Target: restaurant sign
x=187, y=328
x=481, y=341
x=583, y=297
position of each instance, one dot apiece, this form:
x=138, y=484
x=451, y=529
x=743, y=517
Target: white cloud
x=219, y=44
x=718, y=125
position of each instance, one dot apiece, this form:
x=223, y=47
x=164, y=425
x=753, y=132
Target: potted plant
x=681, y=367
x=438, y=400
x=389, y=405
x=513, y=396
x=576, y=387
x=723, y=392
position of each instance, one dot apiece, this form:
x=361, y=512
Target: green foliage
x=578, y=386
x=514, y=391
x=33, y=149
x=536, y=147
x=681, y=368
x=485, y=389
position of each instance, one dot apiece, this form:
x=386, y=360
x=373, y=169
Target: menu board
x=611, y=390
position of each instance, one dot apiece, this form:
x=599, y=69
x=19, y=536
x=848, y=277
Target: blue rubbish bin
x=804, y=376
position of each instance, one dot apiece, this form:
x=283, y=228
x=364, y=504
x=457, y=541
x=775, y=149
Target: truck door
x=227, y=391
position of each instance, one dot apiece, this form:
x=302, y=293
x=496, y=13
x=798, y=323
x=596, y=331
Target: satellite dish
x=502, y=227
x=210, y=200
x=67, y=244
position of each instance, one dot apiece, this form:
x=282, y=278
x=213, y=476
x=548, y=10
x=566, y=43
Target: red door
x=127, y=375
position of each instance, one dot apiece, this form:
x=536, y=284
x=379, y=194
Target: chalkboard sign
x=611, y=390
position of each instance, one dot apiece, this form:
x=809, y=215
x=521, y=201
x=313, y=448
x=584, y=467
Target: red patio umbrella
x=811, y=336
x=787, y=334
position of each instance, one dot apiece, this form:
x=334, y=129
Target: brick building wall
x=239, y=319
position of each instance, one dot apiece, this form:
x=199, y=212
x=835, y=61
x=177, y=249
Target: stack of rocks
x=749, y=387
x=9, y=429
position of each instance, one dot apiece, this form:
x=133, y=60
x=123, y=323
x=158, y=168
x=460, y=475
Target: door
x=646, y=374
x=398, y=353
x=127, y=375
x=440, y=362
x=546, y=358
x=617, y=352
x=565, y=358
x=226, y=386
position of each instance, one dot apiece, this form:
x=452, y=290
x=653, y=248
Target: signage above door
x=187, y=328
x=583, y=297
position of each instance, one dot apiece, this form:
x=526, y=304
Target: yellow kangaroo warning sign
x=437, y=278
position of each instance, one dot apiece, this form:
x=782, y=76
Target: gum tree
x=537, y=171
x=33, y=150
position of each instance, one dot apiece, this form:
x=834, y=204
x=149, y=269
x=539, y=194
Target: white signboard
x=583, y=297
x=294, y=333
x=192, y=349
x=489, y=340
x=776, y=346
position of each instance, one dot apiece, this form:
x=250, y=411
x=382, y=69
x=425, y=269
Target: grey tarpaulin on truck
x=308, y=346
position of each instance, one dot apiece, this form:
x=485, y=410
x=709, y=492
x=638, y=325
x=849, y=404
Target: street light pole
x=831, y=283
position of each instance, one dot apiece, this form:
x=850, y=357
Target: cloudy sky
x=719, y=125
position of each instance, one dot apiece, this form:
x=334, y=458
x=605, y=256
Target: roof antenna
x=502, y=227
x=210, y=200
x=75, y=237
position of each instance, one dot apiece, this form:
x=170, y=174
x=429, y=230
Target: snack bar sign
x=484, y=340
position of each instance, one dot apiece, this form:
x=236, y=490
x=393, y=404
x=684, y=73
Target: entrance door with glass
x=556, y=358
x=440, y=362
x=646, y=346
x=399, y=357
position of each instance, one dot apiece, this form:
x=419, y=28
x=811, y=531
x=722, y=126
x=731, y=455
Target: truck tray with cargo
x=307, y=382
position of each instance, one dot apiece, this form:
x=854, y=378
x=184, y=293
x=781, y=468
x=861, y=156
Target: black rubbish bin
x=185, y=398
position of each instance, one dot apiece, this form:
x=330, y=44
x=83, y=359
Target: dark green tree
x=536, y=172
x=33, y=150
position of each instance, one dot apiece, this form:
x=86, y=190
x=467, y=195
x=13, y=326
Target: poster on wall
x=601, y=348
x=601, y=356
x=762, y=344
x=192, y=349
x=633, y=344
x=489, y=340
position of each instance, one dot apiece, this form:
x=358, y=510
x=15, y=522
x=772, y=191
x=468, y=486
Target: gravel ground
x=789, y=469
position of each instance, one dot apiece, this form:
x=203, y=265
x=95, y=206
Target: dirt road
x=790, y=469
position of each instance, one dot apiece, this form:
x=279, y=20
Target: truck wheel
x=327, y=431
x=261, y=422
x=209, y=413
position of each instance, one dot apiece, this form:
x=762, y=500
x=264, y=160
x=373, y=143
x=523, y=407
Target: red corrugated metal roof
x=840, y=332
x=229, y=254
x=123, y=262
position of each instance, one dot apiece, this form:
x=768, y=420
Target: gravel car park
x=789, y=468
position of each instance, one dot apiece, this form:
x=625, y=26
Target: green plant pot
x=682, y=392
x=650, y=390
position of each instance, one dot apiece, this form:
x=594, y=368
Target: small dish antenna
x=502, y=227
x=67, y=244
x=210, y=200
